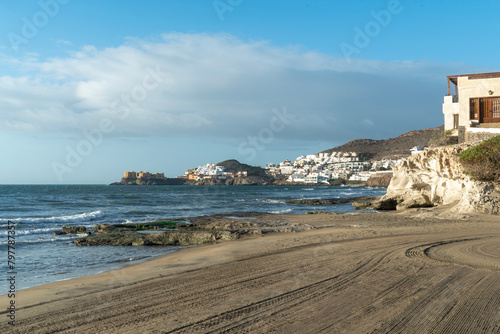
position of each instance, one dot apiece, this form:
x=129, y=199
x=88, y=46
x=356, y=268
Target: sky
x=90, y=89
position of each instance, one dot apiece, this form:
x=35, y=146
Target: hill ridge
x=396, y=147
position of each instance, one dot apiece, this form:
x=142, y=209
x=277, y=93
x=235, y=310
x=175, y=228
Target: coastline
x=231, y=275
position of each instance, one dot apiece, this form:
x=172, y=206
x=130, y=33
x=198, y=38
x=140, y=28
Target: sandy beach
x=406, y=272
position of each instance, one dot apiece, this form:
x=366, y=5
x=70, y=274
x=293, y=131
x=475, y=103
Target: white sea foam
x=282, y=211
x=347, y=193
x=41, y=240
x=269, y=200
x=32, y=231
x=83, y=217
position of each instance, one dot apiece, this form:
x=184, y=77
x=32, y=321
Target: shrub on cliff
x=443, y=139
x=482, y=162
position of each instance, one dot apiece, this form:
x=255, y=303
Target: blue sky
x=90, y=89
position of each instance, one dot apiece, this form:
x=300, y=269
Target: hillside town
x=209, y=171
x=321, y=168
x=325, y=167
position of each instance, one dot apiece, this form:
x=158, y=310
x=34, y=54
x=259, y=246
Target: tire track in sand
x=243, y=317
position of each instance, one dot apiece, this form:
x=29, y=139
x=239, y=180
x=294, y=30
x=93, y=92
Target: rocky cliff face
x=379, y=180
x=436, y=177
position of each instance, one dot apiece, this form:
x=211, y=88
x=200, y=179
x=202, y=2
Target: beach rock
x=386, y=203
x=58, y=233
x=368, y=202
x=200, y=230
x=110, y=239
x=174, y=238
x=436, y=177
x=104, y=228
x=184, y=238
x=74, y=229
x=414, y=201
x=331, y=200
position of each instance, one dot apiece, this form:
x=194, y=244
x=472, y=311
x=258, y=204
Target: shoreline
x=140, y=261
x=206, y=272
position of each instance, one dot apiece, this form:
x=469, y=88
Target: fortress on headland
x=147, y=178
x=143, y=175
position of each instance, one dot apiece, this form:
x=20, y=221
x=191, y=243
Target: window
x=474, y=112
x=495, y=108
x=455, y=121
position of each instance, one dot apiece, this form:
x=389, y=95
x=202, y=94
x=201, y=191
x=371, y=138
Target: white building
x=286, y=170
x=417, y=150
x=361, y=176
x=210, y=170
x=475, y=105
x=296, y=178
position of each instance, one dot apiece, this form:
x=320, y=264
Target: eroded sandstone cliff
x=436, y=177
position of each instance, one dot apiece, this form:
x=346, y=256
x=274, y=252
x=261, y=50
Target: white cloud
x=367, y=123
x=217, y=85
x=62, y=42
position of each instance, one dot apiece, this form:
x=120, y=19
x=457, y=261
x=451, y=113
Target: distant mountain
x=389, y=148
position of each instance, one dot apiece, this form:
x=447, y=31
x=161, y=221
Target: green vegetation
x=443, y=139
x=482, y=162
x=355, y=182
x=364, y=156
x=336, y=182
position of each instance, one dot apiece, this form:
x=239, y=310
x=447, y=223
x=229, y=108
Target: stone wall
x=461, y=134
x=474, y=137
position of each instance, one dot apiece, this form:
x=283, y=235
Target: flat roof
x=454, y=78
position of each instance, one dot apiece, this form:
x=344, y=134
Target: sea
x=36, y=211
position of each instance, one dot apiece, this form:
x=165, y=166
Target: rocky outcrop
x=436, y=177
x=171, y=238
x=332, y=200
x=249, y=181
x=232, y=181
x=104, y=228
x=180, y=232
x=74, y=229
x=380, y=180
x=149, y=182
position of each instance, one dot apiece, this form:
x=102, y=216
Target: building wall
x=131, y=175
x=145, y=175
x=473, y=88
x=449, y=109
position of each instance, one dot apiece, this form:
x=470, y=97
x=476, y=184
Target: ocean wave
x=33, y=231
x=282, y=211
x=269, y=200
x=83, y=217
x=41, y=240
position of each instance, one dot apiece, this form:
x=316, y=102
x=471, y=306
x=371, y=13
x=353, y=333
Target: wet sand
x=352, y=273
